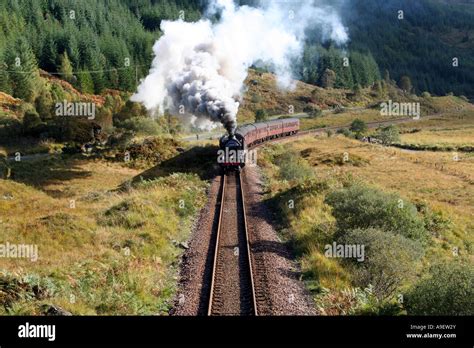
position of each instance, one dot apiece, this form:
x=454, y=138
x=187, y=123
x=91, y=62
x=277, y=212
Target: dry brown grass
x=432, y=177
x=263, y=93
x=82, y=223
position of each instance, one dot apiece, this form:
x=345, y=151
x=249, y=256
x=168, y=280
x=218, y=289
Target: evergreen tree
x=24, y=74
x=49, y=53
x=44, y=104
x=85, y=82
x=328, y=79
x=405, y=84
x=5, y=84
x=66, y=68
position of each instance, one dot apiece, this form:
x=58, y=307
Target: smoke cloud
x=199, y=68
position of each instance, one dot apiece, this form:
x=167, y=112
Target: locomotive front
x=231, y=154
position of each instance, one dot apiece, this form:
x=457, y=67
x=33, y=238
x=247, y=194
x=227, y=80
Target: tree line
x=92, y=44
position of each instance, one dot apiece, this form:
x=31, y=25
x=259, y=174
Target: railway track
x=232, y=289
x=237, y=279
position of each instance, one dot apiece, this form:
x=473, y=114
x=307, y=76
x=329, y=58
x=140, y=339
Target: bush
x=293, y=168
x=426, y=95
x=142, y=125
x=9, y=126
x=71, y=129
x=153, y=149
x=313, y=111
x=388, y=260
x=388, y=135
x=44, y=105
x=359, y=206
x=346, y=132
x=32, y=124
x=448, y=289
x=130, y=110
x=260, y=115
x=358, y=126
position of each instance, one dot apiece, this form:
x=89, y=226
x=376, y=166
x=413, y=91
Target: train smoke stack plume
x=199, y=68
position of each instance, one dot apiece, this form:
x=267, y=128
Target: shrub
x=104, y=118
x=256, y=98
x=71, y=129
x=32, y=123
x=260, y=115
x=359, y=206
x=448, y=289
x=312, y=111
x=388, y=135
x=426, y=95
x=293, y=168
x=346, y=132
x=142, y=125
x=9, y=126
x=153, y=149
x=388, y=260
x=358, y=126
x=130, y=110
x=328, y=78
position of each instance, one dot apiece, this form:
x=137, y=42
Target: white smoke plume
x=199, y=68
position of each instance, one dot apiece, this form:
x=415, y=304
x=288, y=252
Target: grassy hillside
x=105, y=245
x=438, y=188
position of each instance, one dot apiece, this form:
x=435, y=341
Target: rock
x=53, y=310
x=184, y=245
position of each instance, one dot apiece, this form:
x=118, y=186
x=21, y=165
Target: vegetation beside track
x=330, y=189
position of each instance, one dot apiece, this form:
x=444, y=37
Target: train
x=233, y=149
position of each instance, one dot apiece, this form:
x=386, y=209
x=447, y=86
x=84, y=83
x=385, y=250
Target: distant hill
x=98, y=45
x=422, y=45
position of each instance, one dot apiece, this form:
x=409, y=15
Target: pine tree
x=98, y=65
x=85, y=82
x=66, y=68
x=49, y=54
x=113, y=79
x=5, y=84
x=24, y=73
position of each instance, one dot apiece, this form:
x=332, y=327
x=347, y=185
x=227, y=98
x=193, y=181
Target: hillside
x=111, y=193
x=347, y=190
x=422, y=45
x=96, y=45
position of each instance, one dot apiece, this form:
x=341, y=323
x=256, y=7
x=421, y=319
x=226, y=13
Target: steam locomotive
x=234, y=148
